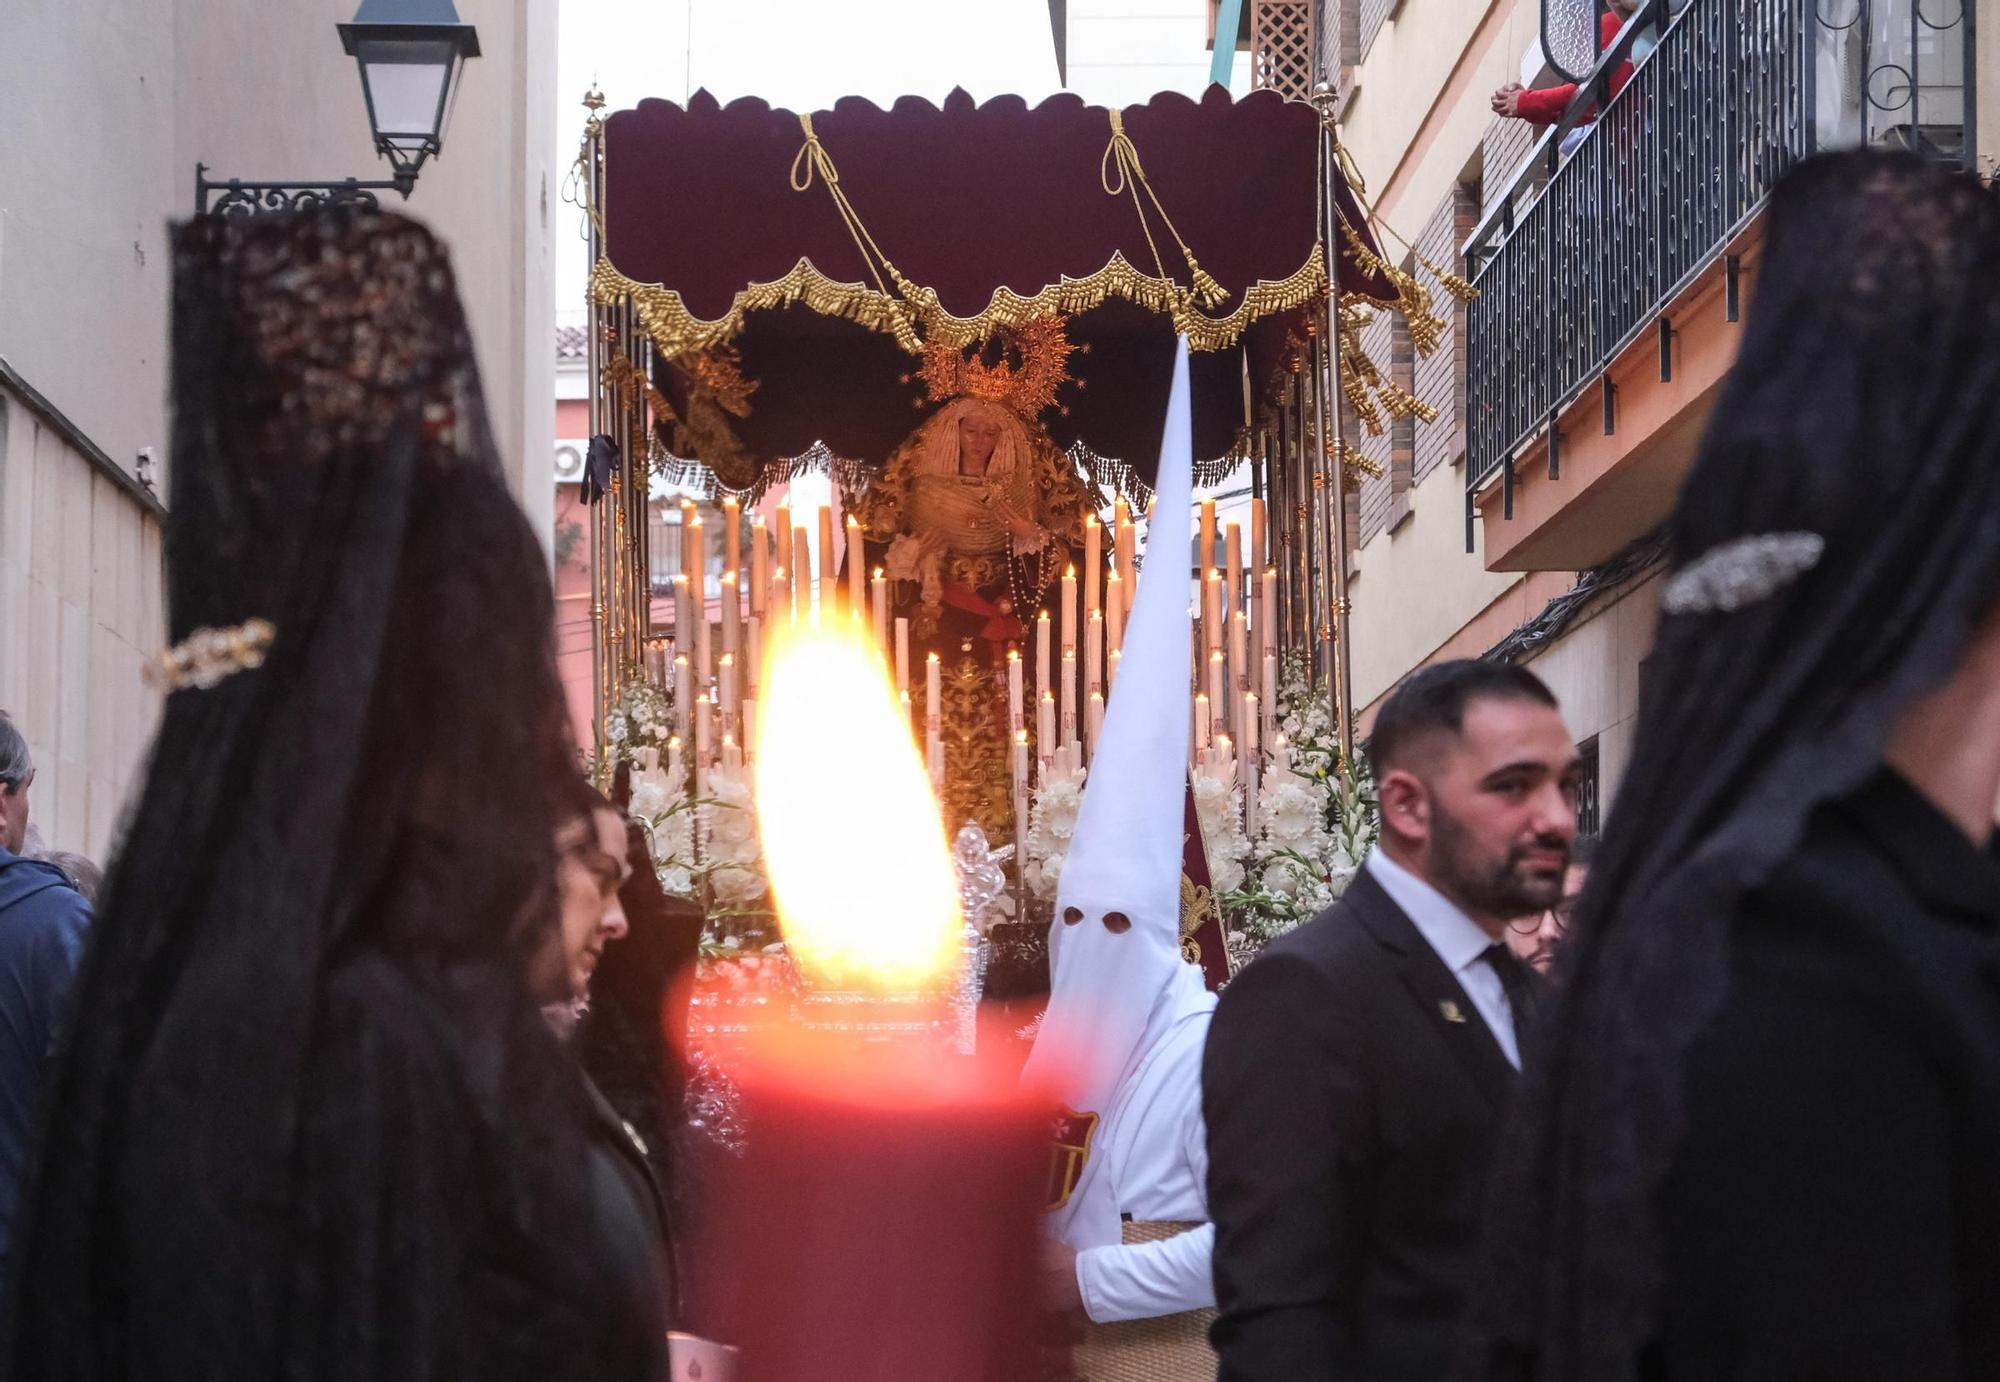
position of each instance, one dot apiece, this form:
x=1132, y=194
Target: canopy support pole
x=1324, y=100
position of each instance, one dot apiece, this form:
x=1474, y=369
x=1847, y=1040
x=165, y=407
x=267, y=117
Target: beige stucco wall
x=1593, y=669
x=1418, y=53
x=1416, y=586
x=108, y=106
x=80, y=609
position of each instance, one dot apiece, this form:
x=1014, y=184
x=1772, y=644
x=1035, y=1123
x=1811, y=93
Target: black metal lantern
x=410, y=53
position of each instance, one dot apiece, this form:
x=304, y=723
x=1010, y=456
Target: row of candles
x=1076, y=645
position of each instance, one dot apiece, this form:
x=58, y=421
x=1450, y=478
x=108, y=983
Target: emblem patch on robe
x=1073, y=1134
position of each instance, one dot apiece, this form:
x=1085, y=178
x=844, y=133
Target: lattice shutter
x=1282, y=51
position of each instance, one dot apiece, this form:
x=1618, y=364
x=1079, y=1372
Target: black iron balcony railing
x=1580, y=254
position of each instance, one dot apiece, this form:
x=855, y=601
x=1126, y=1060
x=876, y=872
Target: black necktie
x=1519, y=985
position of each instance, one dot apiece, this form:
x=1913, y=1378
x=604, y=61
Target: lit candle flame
x=852, y=839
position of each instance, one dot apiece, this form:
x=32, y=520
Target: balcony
x=1611, y=277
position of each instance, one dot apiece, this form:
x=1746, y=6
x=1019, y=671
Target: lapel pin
x=1450, y=1010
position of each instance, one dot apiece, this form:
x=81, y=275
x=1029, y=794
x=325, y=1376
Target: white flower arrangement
x=1317, y=821
x=660, y=802
x=1051, y=822
x=641, y=718
x=1218, y=805
x=731, y=859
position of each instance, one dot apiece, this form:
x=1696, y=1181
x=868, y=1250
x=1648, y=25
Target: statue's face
x=978, y=434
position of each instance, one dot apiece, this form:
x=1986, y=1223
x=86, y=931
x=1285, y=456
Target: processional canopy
x=790, y=270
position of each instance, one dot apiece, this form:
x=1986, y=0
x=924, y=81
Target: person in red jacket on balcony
x=1543, y=106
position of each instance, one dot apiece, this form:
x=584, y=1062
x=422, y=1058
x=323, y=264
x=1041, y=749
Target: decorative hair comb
x=1741, y=572
x=206, y=656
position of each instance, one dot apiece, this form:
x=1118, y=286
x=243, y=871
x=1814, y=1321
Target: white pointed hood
x=1115, y=993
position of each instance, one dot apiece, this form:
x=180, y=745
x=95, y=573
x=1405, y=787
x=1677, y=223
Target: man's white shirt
x=1156, y=1150
x=1459, y=942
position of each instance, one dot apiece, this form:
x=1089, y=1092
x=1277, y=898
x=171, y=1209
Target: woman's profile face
x=978, y=434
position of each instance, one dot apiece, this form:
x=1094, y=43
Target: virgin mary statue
x=977, y=511
x=973, y=518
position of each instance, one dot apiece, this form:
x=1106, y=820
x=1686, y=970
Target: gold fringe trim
x=675, y=330
x=920, y=318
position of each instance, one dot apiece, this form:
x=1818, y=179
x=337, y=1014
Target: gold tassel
x=1451, y=282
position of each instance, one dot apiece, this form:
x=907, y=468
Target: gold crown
x=1042, y=348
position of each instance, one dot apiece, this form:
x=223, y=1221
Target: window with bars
x=1589, y=817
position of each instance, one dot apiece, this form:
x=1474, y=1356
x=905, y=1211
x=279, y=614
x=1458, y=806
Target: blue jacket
x=43, y=920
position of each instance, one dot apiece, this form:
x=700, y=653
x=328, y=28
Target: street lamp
x=411, y=54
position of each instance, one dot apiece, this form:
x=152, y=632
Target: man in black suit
x=1357, y=1071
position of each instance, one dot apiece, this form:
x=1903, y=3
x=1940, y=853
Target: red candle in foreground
x=883, y=1220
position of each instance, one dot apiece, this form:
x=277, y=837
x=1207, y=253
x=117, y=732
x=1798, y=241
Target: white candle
x=732, y=615
x=1069, y=697
x=1069, y=611
x=726, y=676
x=674, y=759
x=1239, y=668
x=697, y=558
x=880, y=592
x=903, y=656
x=1202, y=728
x=934, y=717
x=781, y=536
x=1093, y=654
x=1111, y=669
x=1045, y=734
x=1232, y=546
x=683, y=616
x=1258, y=535
x=1093, y=720
x=1211, y=609
x=1269, y=700
x=760, y=566
x=754, y=667
x=704, y=731
x=704, y=649
x=749, y=718
x=1020, y=794
x=732, y=534
x=1043, y=684
x=802, y=588
x=827, y=570
x=1015, y=710
x=683, y=696
x=1251, y=765
x=1093, y=564
x=1218, y=698
x=1207, y=538
x=732, y=757
x=1267, y=612
x=857, y=569
x=780, y=603
x=1114, y=613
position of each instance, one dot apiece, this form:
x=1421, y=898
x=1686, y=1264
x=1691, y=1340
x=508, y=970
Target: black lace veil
x=1864, y=407
x=309, y=1123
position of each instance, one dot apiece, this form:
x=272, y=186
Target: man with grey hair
x=43, y=919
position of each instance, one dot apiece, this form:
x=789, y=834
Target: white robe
x=1155, y=1150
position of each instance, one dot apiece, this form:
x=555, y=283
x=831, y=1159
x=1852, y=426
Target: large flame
x=852, y=839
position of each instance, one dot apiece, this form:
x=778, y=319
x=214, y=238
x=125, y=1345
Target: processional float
x=965, y=316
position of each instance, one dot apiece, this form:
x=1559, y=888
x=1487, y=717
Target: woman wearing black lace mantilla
x=1766, y=1143
x=311, y=1124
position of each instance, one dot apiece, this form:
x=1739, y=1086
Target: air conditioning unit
x=569, y=460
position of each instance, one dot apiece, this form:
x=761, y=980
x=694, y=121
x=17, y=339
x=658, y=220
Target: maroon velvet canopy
x=981, y=205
